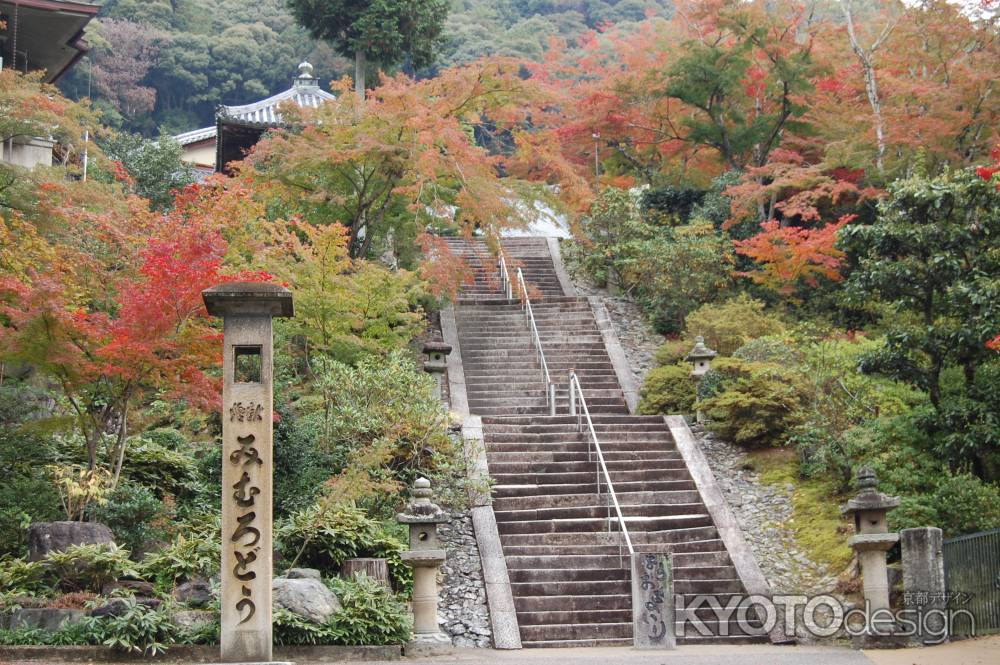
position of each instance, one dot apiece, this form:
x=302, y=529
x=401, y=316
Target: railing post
x=572, y=394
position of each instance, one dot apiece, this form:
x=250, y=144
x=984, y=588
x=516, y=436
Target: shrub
x=673, y=203
x=20, y=577
x=966, y=504
x=668, y=390
x=370, y=613
x=729, y=325
x=769, y=349
x=136, y=629
x=324, y=535
x=672, y=352
x=290, y=629
x=383, y=425
x=151, y=461
x=676, y=270
x=300, y=467
x=130, y=512
x=756, y=405
x=26, y=493
x=194, y=552
x=716, y=207
x=89, y=567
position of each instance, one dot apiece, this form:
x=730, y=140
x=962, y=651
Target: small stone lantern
x=437, y=353
x=700, y=357
x=871, y=542
x=425, y=556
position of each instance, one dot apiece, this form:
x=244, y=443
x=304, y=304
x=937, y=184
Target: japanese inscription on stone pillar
x=247, y=405
x=653, y=601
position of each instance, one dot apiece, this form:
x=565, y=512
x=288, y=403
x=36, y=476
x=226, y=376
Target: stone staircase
x=569, y=576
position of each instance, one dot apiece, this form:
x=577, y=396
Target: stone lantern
x=700, y=357
x=871, y=542
x=425, y=556
x=437, y=353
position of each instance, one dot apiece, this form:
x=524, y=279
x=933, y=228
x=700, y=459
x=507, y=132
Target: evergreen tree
x=387, y=32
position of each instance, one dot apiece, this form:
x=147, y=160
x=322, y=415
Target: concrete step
x=599, y=524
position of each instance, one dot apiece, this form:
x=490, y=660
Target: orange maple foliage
x=411, y=154
x=790, y=256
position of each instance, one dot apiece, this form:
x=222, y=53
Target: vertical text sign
x=652, y=601
x=247, y=309
x=246, y=490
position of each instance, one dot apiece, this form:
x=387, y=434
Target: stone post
x=247, y=309
x=425, y=556
x=437, y=352
x=923, y=581
x=871, y=542
x=653, y=601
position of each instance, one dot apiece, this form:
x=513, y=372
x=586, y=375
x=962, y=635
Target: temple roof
x=305, y=92
x=196, y=135
x=49, y=34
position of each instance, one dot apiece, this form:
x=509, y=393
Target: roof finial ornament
x=305, y=77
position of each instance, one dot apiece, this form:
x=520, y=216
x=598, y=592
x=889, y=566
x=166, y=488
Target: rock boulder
x=45, y=537
x=306, y=596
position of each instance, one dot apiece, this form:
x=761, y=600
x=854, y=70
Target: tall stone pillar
x=247, y=309
x=924, y=589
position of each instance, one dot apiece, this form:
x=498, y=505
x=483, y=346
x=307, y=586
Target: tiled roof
x=196, y=135
x=305, y=92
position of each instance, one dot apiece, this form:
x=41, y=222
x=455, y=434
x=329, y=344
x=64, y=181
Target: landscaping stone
x=194, y=619
x=134, y=587
x=462, y=610
x=45, y=537
x=46, y=619
x=117, y=606
x=306, y=596
x=195, y=592
x=303, y=574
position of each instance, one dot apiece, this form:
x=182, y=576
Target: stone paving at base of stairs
x=980, y=651
x=751, y=654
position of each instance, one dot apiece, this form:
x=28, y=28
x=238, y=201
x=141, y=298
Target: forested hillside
x=164, y=65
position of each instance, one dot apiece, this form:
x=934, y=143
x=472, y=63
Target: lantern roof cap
x=248, y=299
x=869, y=498
x=421, y=510
x=700, y=351
x=439, y=345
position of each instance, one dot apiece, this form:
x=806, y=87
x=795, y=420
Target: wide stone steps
x=570, y=582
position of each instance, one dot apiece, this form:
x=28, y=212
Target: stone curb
x=197, y=654
x=456, y=372
x=561, y=274
x=623, y=371
x=503, y=617
x=725, y=521
x=499, y=599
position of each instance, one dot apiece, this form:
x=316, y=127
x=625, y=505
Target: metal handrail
x=529, y=315
x=505, y=277
x=508, y=289
x=576, y=391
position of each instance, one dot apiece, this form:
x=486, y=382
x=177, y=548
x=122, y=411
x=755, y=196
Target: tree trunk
x=866, y=59
x=359, y=76
x=377, y=569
